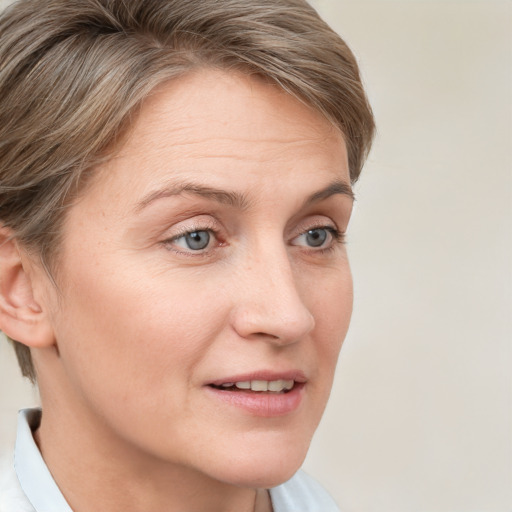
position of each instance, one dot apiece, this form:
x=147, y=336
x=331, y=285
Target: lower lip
x=263, y=404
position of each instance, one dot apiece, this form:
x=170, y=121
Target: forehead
x=216, y=126
x=236, y=102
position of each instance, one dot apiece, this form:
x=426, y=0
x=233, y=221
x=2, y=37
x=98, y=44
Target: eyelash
x=337, y=235
x=338, y=238
x=168, y=243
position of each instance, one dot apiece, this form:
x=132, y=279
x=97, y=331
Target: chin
x=264, y=466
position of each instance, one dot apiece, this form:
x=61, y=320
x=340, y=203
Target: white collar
x=299, y=493
x=34, y=476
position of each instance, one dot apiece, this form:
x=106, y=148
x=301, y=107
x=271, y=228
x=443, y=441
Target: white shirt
x=26, y=484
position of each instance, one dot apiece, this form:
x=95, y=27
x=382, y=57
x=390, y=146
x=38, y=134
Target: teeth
x=275, y=386
x=288, y=384
x=259, y=385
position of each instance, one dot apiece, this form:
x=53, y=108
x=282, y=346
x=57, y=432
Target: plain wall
x=420, y=417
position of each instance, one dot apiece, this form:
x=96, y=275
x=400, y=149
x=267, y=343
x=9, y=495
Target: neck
x=96, y=471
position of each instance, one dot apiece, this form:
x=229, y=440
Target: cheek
x=331, y=306
x=330, y=299
x=123, y=334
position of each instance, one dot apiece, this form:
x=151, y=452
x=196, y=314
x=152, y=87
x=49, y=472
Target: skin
x=141, y=322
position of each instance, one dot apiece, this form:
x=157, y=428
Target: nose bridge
x=271, y=303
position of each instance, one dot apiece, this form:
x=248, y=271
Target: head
x=109, y=110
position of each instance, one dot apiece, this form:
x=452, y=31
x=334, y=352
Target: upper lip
x=268, y=375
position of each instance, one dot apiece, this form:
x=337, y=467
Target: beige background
x=421, y=414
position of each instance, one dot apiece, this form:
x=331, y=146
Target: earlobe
x=21, y=317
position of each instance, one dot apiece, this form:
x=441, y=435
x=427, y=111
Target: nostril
x=267, y=335
x=284, y=320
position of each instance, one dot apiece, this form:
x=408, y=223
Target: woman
x=175, y=188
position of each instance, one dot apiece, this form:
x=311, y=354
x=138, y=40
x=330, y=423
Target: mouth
x=264, y=394
x=279, y=386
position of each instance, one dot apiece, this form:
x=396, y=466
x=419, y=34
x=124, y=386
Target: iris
x=197, y=240
x=316, y=237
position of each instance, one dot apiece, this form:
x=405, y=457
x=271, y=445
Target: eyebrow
x=236, y=199
x=336, y=187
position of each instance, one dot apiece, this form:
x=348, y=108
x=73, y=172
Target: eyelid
x=190, y=226
x=198, y=223
x=337, y=237
x=190, y=232
x=319, y=221
x=315, y=222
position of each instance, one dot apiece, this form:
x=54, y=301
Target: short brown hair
x=74, y=72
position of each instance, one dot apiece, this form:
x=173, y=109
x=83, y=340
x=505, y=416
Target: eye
x=321, y=237
x=316, y=237
x=193, y=240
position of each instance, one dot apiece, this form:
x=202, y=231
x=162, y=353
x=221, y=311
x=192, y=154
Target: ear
x=21, y=317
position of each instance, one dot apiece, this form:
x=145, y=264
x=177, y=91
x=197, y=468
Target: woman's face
x=205, y=258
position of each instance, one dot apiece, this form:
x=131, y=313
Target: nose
x=270, y=304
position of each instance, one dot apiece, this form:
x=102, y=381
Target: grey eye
x=196, y=240
x=316, y=237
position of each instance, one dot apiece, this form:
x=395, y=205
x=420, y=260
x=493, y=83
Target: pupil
x=316, y=237
x=198, y=240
